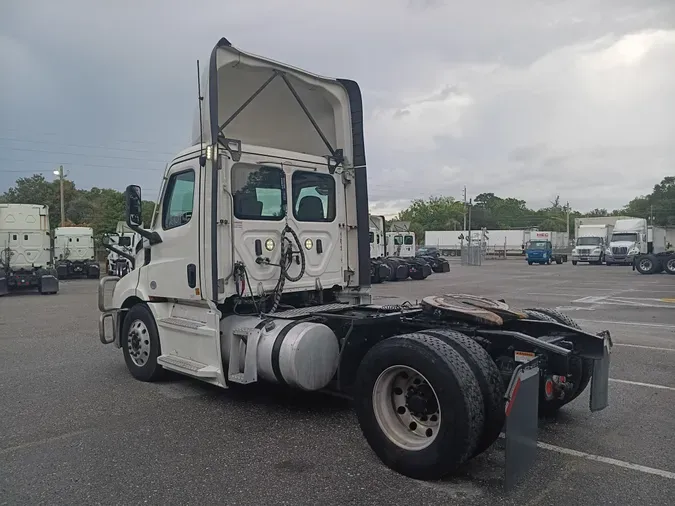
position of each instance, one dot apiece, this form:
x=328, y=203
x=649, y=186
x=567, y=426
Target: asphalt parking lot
x=76, y=428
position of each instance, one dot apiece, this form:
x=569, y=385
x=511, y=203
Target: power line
x=83, y=165
x=33, y=150
x=136, y=141
x=14, y=139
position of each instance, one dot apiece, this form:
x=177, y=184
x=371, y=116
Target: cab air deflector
x=336, y=154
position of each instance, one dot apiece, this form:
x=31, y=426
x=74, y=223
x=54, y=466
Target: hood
x=265, y=103
x=623, y=244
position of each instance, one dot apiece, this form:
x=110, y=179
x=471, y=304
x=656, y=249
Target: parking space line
x=637, y=324
x=655, y=348
x=606, y=460
x=640, y=384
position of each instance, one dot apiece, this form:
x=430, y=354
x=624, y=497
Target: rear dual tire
x=459, y=418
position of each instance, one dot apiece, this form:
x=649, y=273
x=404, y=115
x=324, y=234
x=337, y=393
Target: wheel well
x=127, y=304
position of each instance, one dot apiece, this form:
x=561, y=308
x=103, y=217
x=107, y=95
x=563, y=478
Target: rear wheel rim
x=406, y=408
x=670, y=265
x=138, y=343
x=645, y=264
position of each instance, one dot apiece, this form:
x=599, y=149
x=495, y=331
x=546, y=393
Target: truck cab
x=539, y=251
x=25, y=249
x=629, y=239
x=401, y=244
x=74, y=253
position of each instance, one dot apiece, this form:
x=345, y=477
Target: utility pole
x=63, y=205
x=464, y=209
x=567, y=208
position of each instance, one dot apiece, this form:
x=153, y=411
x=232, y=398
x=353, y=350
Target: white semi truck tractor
x=629, y=239
x=255, y=268
x=591, y=243
x=74, y=253
x=25, y=249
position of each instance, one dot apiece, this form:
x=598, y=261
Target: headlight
x=597, y=250
x=309, y=243
x=269, y=244
x=633, y=251
x=574, y=251
x=608, y=251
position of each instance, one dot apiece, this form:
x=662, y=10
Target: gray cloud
x=523, y=98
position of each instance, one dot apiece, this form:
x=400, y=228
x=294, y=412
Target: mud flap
x=521, y=429
x=49, y=284
x=600, y=380
x=4, y=289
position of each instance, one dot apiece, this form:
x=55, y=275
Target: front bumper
x=619, y=259
x=586, y=258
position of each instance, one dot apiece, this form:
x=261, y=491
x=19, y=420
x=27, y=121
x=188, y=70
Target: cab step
x=187, y=366
x=193, y=326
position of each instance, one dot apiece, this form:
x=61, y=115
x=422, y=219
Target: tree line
x=493, y=212
x=102, y=208
x=98, y=208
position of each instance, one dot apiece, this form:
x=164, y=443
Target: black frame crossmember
x=336, y=154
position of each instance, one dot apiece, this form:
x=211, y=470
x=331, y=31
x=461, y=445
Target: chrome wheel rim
x=138, y=341
x=406, y=407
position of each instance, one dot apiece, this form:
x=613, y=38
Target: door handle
x=192, y=275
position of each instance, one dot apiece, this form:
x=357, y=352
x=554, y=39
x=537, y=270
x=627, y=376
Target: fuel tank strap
x=276, y=349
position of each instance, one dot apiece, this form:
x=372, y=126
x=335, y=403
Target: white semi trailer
x=74, y=253
x=255, y=268
x=25, y=249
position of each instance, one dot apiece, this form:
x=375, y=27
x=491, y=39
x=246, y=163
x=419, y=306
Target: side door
x=317, y=211
x=173, y=269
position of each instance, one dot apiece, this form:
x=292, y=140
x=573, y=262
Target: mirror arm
x=121, y=253
x=152, y=236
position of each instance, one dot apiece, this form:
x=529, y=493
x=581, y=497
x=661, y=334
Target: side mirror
x=134, y=206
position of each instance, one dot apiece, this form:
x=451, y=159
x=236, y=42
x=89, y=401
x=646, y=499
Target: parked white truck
x=591, y=243
x=74, y=253
x=629, y=238
x=121, y=248
x=401, y=244
x=25, y=249
x=659, y=256
x=256, y=268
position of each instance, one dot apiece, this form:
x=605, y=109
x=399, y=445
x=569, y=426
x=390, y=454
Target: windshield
x=628, y=237
x=589, y=241
x=124, y=241
x=538, y=245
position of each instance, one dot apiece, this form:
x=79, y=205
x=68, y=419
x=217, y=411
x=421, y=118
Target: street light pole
x=63, y=212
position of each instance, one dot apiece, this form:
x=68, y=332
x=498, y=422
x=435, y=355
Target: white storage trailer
x=25, y=249
x=234, y=287
x=448, y=242
x=74, y=253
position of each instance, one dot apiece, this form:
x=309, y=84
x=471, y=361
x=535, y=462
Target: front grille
x=584, y=251
x=620, y=250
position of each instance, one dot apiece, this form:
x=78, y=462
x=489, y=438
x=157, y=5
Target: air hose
x=286, y=261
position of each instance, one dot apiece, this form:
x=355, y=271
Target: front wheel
x=140, y=344
x=419, y=405
x=574, y=262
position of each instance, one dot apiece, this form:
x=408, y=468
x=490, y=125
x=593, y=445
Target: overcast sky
x=522, y=98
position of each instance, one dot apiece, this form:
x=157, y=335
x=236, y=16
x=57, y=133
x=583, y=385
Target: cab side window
x=178, y=200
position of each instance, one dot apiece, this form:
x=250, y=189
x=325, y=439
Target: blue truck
x=546, y=248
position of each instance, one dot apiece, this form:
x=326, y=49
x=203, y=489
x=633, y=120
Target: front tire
x=419, y=405
x=140, y=344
